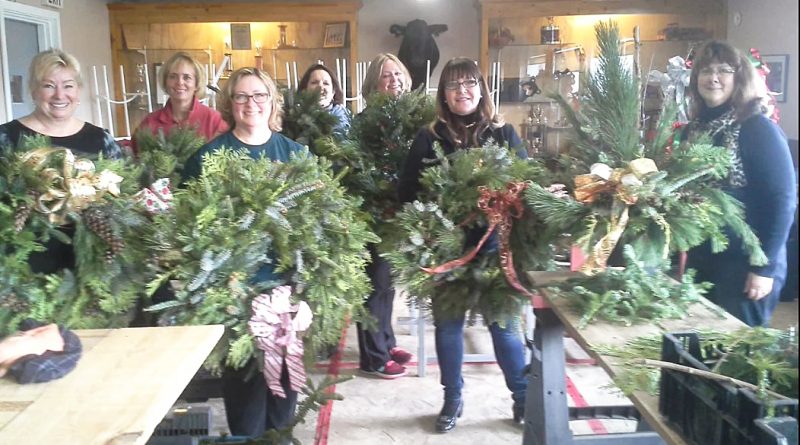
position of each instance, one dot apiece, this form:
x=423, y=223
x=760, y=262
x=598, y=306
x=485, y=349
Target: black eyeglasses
x=454, y=84
x=241, y=98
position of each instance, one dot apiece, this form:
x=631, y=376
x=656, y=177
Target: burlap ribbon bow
x=73, y=188
x=276, y=333
x=500, y=207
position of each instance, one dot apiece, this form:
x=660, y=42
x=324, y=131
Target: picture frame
x=777, y=78
x=335, y=35
x=240, y=36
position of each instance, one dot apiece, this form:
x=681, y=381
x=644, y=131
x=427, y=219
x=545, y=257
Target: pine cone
x=13, y=303
x=98, y=222
x=21, y=217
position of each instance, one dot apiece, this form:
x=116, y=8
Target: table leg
x=546, y=413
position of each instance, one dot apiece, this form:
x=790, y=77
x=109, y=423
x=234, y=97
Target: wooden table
x=547, y=418
x=123, y=385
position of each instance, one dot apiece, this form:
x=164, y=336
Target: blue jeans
x=507, y=349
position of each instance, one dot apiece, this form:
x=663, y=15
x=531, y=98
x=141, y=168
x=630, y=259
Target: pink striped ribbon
x=275, y=330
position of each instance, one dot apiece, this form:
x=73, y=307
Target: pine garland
x=242, y=214
x=433, y=230
x=675, y=208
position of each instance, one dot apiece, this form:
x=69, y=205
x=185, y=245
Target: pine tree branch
x=707, y=375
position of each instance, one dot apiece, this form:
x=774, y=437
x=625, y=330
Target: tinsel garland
x=465, y=194
x=673, y=207
x=102, y=289
x=243, y=214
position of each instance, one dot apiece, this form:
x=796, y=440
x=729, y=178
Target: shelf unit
x=172, y=27
x=510, y=34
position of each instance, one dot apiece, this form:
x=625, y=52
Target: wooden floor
x=402, y=411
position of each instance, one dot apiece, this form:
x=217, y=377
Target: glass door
x=24, y=31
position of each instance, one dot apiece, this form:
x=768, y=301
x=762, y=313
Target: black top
x=88, y=141
x=422, y=148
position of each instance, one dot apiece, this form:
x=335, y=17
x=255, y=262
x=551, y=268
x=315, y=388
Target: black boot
x=451, y=410
x=519, y=412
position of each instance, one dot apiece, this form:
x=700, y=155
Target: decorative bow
x=276, y=333
x=674, y=83
x=157, y=198
x=618, y=182
x=73, y=188
x=500, y=207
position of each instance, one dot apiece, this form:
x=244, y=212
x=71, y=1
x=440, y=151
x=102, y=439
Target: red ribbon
x=500, y=206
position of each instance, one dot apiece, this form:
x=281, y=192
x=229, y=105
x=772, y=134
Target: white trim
x=49, y=26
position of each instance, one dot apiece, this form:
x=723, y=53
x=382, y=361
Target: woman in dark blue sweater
x=728, y=103
x=466, y=118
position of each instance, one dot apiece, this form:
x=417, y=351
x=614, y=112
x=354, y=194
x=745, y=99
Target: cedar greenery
x=630, y=295
x=242, y=214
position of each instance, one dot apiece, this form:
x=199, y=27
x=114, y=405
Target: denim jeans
x=507, y=349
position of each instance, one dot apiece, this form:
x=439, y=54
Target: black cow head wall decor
x=417, y=47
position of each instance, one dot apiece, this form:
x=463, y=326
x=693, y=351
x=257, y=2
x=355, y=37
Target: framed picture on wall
x=777, y=77
x=335, y=35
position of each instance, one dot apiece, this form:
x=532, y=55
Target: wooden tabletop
x=124, y=384
x=704, y=315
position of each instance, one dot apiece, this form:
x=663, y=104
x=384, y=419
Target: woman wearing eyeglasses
x=729, y=104
x=466, y=118
x=184, y=80
x=252, y=106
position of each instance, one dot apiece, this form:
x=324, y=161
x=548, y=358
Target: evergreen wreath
x=657, y=196
x=163, y=155
x=305, y=121
x=434, y=230
x=374, y=152
x=242, y=214
x=37, y=204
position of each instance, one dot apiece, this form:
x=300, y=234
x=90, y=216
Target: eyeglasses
x=241, y=98
x=454, y=84
x=719, y=71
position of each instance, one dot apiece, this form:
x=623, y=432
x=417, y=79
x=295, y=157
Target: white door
x=24, y=31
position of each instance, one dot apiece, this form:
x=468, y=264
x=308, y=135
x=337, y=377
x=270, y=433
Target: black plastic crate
x=709, y=412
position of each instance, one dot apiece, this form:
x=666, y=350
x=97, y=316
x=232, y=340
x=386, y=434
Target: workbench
x=546, y=412
x=125, y=382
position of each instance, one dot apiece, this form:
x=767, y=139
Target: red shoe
x=400, y=355
x=391, y=370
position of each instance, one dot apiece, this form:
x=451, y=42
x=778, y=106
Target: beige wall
x=771, y=27
x=84, y=34
x=462, y=37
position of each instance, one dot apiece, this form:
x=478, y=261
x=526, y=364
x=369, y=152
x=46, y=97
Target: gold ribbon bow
x=500, y=207
x=72, y=188
x=619, y=183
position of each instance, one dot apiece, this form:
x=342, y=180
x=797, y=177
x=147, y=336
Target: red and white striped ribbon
x=275, y=324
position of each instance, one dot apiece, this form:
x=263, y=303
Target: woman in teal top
x=252, y=107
